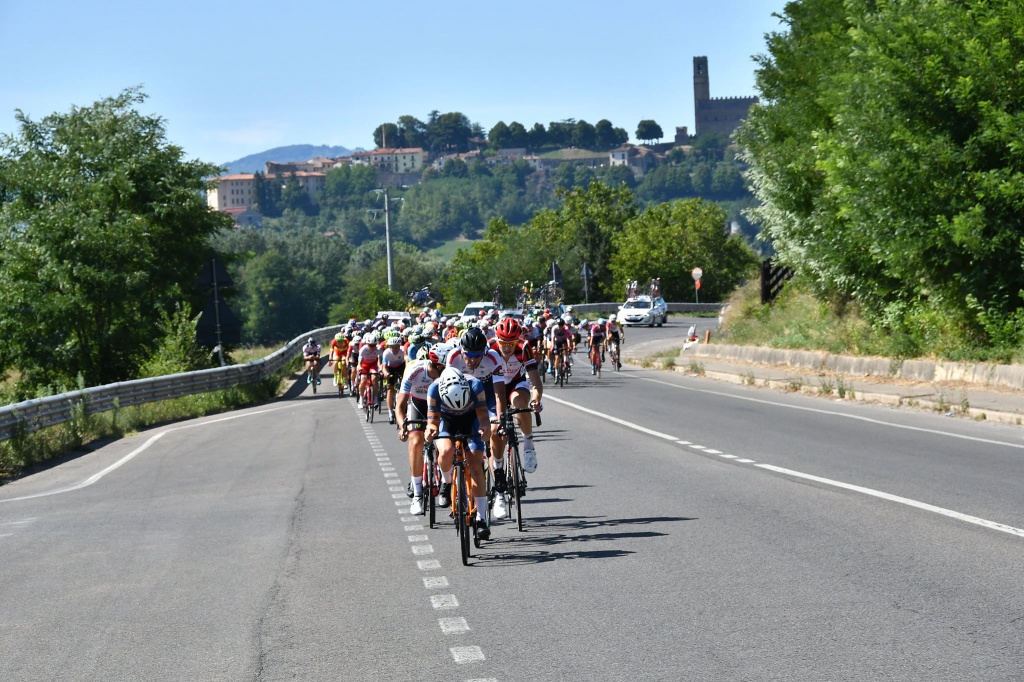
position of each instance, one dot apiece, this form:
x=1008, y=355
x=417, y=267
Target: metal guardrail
x=32, y=415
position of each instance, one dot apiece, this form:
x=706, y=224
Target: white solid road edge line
x=901, y=500
x=137, y=451
x=993, y=525
x=602, y=415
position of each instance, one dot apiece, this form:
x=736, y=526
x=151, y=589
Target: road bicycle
x=431, y=473
x=339, y=377
x=613, y=353
x=563, y=370
x=595, y=360
x=515, y=476
x=463, y=503
x=367, y=399
x=313, y=373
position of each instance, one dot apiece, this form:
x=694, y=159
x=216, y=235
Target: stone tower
x=721, y=115
x=701, y=82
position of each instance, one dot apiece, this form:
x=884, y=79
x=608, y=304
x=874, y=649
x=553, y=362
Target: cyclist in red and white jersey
x=369, y=365
x=524, y=387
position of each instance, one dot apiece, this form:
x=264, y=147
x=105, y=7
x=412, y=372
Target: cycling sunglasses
x=471, y=355
x=507, y=343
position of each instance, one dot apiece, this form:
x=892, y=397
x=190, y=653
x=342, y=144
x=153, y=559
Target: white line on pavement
x=901, y=500
x=131, y=455
x=994, y=525
x=833, y=413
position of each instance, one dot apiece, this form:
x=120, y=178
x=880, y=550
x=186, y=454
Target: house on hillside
x=637, y=158
x=315, y=165
x=237, y=191
x=398, y=160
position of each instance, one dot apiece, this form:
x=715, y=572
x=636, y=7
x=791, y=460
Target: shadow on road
x=542, y=542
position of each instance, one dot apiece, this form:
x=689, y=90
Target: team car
x=644, y=310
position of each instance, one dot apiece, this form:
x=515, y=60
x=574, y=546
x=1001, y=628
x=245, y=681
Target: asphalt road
x=676, y=528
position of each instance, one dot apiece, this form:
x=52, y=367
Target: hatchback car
x=644, y=310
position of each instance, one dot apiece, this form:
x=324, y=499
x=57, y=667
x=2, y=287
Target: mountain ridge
x=295, y=152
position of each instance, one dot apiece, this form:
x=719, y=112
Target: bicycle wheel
x=488, y=492
x=462, y=518
x=431, y=483
x=513, y=465
x=312, y=381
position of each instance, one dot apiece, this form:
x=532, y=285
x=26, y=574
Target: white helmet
x=611, y=318
x=454, y=390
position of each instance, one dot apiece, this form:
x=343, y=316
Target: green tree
x=537, y=137
x=908, y=199
x=294, y=197
x=348, y=187
x=102, y=233
x=499, y=136
x=669, y=240
x=449, y=132
x=665, y=183
x=583, y=135
x=412, y=132
x=726, y=181
x=276, y=301
x=607, y=136
x=648, y=130
x=519, y=137
x=387, y=133
x=266, y=195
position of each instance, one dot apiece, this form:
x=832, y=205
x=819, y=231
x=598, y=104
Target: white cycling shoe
x=500, y=506
x=529, y=458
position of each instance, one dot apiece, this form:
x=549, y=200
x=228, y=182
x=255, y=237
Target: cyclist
x=558, y=339
x=369, y=361
x=353, y=364
x=456, y=404
x=339, y=356
x=596, y=344
x=523, y=386
x=616, y=337
x=412, y=406
x=473, y=357
x=311, y=353
x=393, y=362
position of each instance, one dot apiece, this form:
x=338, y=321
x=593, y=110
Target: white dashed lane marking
x=924, y=506
x=450, y=626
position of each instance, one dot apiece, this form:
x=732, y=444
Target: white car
x=644, y=310
x=471, y=313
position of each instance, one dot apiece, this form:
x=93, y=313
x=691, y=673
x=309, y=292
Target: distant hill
x=295, y=152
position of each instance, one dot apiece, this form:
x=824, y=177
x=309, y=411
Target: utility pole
x=387, y=233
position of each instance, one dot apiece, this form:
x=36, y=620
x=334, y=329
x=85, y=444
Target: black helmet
x=474, y=340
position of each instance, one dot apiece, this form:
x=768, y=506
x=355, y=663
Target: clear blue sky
x=237, y=78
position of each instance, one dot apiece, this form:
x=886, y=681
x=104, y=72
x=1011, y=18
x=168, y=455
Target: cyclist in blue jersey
x=456, y=404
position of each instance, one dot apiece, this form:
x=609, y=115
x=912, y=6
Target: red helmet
x=508, y=329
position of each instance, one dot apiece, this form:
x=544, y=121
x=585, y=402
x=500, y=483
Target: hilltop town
x=237, y=193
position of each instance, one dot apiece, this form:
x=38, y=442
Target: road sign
x=586, y=272
x=697, y=274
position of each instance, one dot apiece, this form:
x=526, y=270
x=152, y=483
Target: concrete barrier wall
x=985, y=374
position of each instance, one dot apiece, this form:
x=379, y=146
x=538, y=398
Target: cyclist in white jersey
x=412, y=405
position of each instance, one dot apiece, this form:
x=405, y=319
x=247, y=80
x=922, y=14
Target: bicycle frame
x=463, y=506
